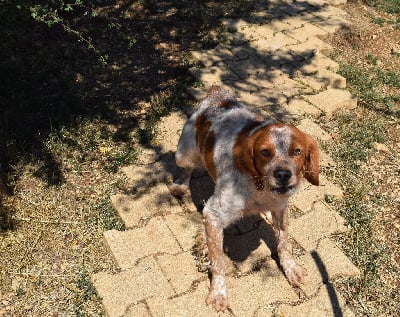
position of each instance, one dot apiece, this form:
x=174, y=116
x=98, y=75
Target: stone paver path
x=275, y=62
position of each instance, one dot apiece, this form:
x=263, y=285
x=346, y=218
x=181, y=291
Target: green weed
x=367, y=84
x=358, y=137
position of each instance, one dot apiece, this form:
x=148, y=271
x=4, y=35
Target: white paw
x=294, y=273
x=217, y=299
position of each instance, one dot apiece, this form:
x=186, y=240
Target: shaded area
x=122, y=63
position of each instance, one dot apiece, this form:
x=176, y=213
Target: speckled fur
x=246, y=181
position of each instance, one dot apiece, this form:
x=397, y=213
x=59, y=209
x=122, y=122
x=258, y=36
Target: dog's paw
x=295, y=274
x=177, y=190
x=218, y=300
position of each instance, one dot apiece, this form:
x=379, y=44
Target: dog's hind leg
x=181, y=184
x=187, y=157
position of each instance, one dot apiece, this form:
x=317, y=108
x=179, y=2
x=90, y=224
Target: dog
x=256, y=164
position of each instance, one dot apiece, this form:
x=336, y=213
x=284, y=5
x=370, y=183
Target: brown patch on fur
x=202, y=128
x=243, y=154
x=308, y=161
x=227, y=103
x=311, y=165
x=209, y=155
x=205, y=142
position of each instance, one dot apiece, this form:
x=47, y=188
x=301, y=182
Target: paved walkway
x=276, y=63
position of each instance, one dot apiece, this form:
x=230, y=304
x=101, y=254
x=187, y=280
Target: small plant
x=367, y=83
x=372, y=59
x=52, y=13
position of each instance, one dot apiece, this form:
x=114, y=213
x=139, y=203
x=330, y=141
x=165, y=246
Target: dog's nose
x=282, y=175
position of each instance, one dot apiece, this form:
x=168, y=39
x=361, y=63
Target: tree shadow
x=48, y=79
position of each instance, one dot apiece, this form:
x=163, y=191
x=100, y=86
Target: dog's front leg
x=217, y=296
x=294, y=272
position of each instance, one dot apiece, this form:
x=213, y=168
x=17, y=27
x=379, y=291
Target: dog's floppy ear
x=311, y=165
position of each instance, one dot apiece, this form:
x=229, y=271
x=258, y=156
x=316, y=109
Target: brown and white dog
x=256, y=164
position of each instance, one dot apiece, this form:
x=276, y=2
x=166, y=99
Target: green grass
x=357, y=137
x=366, y=83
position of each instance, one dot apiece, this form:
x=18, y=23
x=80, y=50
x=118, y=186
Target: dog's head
x=277, y=156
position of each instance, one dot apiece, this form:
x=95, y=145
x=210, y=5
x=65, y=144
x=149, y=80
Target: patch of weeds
x=372, y=59
x=368, y=84
x=378, y=20
x=357, y=139
x=90, y=141
x=392, y=6
x=86, y=291
x=160, y=105
x=388, y=77
x=120, y=158
x=107, y=218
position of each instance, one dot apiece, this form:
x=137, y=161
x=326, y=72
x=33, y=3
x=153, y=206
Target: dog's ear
x=311, y=165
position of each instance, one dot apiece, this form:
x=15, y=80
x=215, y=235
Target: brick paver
x=130, y=246
x=274, y=62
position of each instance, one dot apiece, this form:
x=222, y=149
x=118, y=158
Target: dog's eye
x=297, y=152
x=266, y=153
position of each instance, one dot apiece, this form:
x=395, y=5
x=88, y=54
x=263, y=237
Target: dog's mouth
x=281, y=190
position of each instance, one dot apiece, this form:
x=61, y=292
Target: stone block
x=122, y=290
x=249, y=243
x=185, y=227
x=235, y=24
x=332, y=100
x=278, y=41
x=322, y=79
x=127, y=247
x=332, y=24
x=305, y=32
x=315, y=225
x=306, y=197
x=268, y=31
x=180, y=270
x=324, y=264
x=215, y=75
x=248, y=32
x=310, y=127
x=190, y=304
x=316, y=63
x=249, y=67
x=298, y=107
x=334, y=80
x=247, y=293
x=300, y=19
x=136, y=209
x=212, y=56
x=139, y=178
x=282, y=60
x=328, y=302
x=310, y=47
x=169, y=130
x=242, y=53
x=137, y=310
